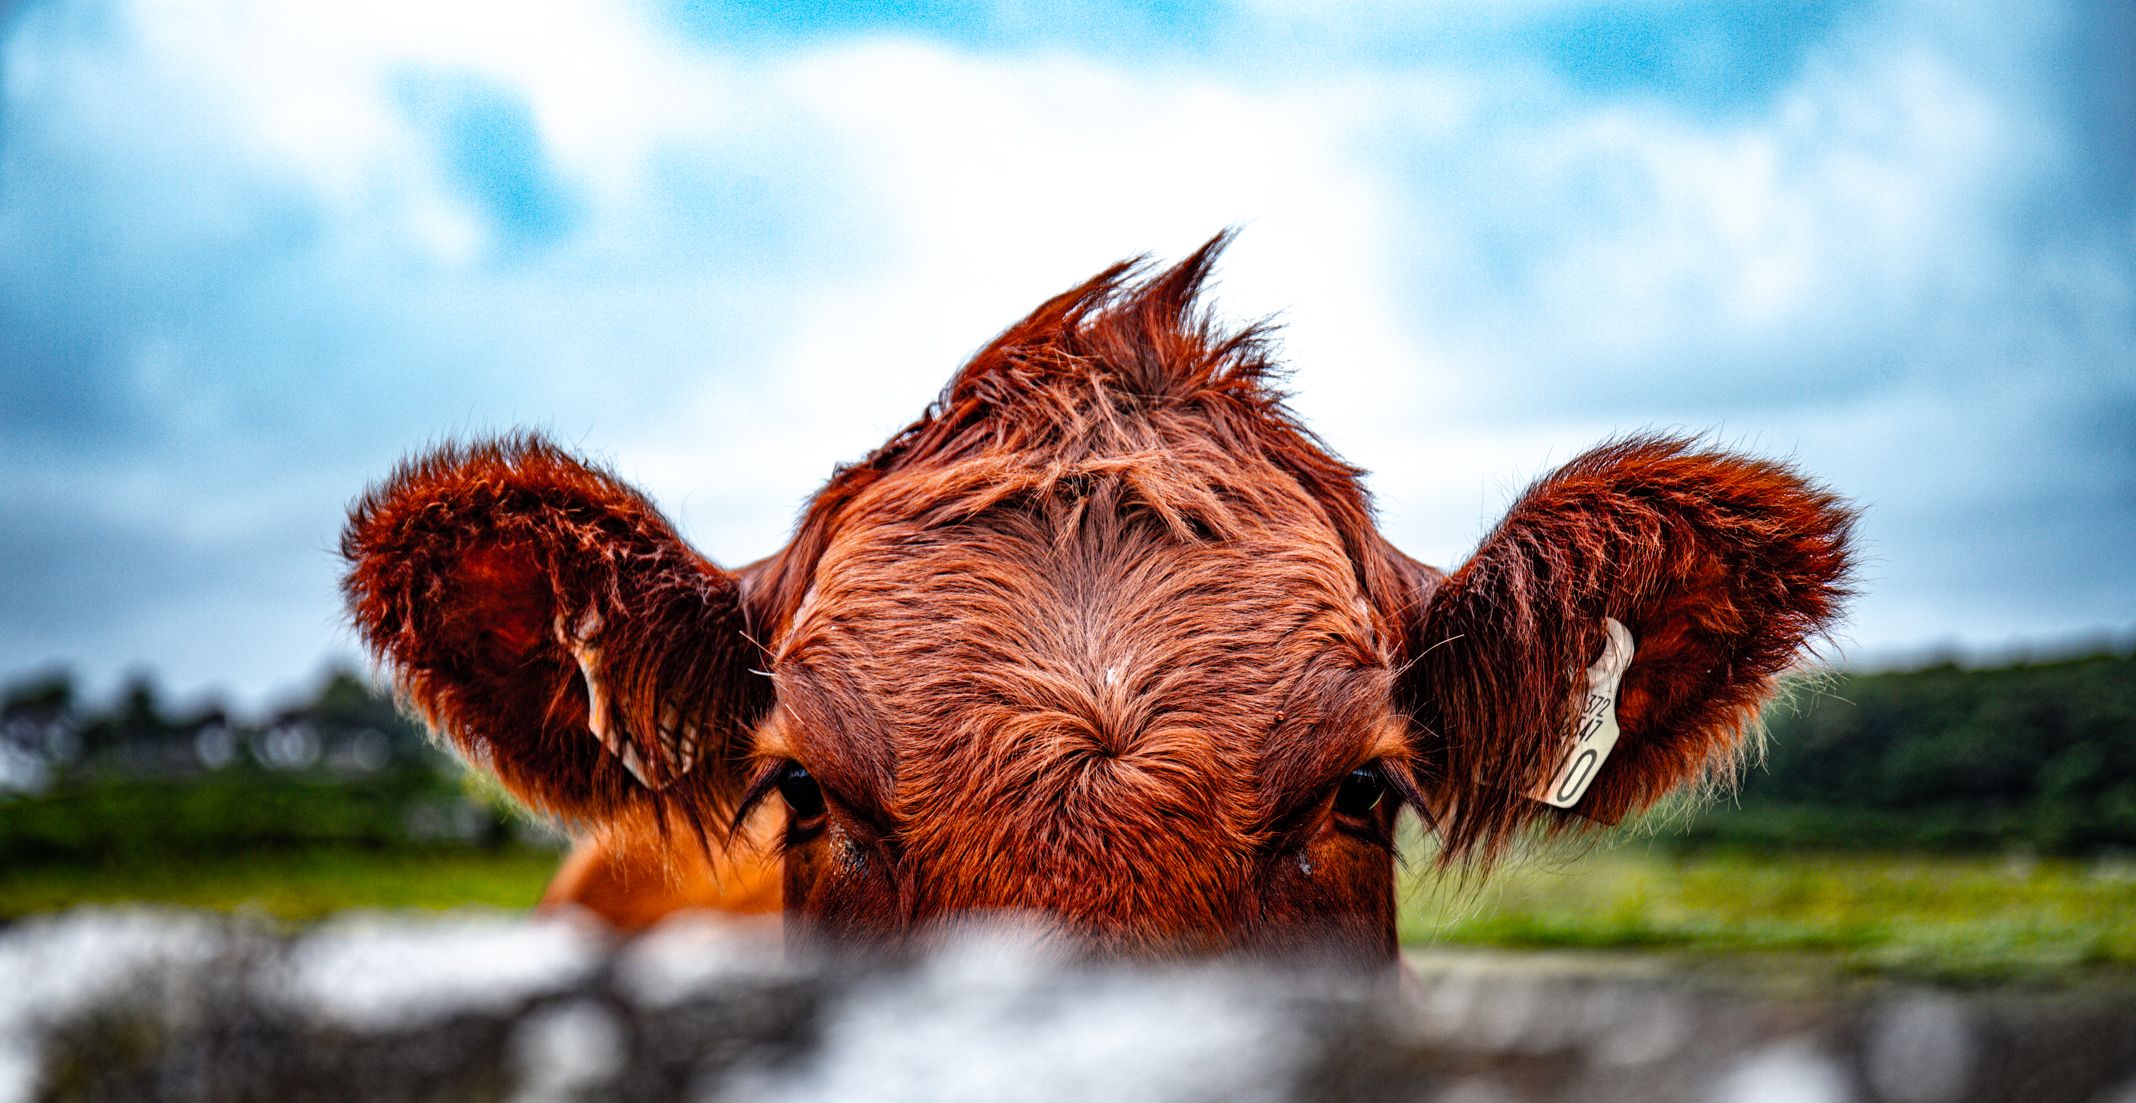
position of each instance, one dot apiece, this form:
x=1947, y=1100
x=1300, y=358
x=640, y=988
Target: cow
x=1106, y=637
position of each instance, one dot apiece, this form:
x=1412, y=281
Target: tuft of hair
x=1130, y=338
x=1131, y=363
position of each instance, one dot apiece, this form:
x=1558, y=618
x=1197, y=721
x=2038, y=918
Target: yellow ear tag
x=1596, y=734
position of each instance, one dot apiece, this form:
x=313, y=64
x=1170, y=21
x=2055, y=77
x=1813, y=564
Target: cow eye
x=1360, y=793
x=804, y=798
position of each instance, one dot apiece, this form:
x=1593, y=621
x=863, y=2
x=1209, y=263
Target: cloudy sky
x=253, y=251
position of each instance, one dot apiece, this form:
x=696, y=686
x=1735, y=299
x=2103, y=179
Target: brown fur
x=632, y=880
x=1098, y=638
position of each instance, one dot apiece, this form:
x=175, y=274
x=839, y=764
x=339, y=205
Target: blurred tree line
x=2031, y=756
x=134, y=780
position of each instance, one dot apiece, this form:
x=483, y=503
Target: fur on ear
x=546, y=619
x=1723, y=568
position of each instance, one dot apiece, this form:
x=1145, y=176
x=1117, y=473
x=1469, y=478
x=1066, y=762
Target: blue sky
x=251, y=253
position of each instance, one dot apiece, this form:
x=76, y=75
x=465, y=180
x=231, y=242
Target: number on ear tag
x=1596, y=734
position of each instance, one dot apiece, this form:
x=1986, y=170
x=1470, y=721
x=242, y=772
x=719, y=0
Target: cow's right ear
x=546, y=619
x=1638, y=604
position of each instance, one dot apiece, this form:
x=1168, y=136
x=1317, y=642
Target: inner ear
x=509, y=608
x=549, y=622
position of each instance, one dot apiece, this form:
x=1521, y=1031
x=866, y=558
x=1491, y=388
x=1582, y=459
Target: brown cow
x=1106, y=636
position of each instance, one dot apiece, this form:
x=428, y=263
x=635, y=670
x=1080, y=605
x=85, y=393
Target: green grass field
x=1948, y=918
x=299, y=887
x=1944, y=917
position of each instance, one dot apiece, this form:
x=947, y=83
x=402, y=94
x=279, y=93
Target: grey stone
x=181, y=1007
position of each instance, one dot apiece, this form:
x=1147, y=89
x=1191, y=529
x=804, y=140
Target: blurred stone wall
x=144, y=1005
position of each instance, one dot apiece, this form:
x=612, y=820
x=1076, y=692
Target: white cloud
x=781, y=255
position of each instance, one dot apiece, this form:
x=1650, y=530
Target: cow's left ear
x=549, y=622
x=1648, y=582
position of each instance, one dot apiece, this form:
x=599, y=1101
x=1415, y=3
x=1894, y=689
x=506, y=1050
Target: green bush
x=2035, y=756
x=134, y=821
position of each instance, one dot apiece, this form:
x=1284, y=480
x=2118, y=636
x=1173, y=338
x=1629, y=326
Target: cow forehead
x=1082, y=656
x=1127, y=596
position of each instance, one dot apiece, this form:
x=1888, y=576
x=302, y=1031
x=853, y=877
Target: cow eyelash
x=795, y=785
x=1365, y=789
x=1293, y=827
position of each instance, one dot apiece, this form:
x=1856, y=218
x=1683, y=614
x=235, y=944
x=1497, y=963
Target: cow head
x=1105, y=636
